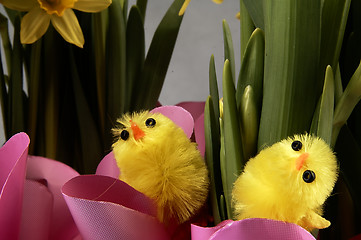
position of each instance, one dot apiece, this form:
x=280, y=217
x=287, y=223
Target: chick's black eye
x=296, y=145
x=124, y=135
x=150, y=122
x=308, y=176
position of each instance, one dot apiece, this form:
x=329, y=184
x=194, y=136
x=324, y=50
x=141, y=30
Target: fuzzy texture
x=272, y=184
x=163, y=164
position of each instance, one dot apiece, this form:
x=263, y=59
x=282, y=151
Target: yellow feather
x=164, y=165
x=272, y=185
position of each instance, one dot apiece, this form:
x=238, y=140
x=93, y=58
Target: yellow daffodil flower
x=59, y=12
x=186, y=2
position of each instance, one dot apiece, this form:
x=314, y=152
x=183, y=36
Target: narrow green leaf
x=228, y=47
x=53, y=75
x=213, y=88
x=334, y=18
x=12, y=14
x=212, y=158
x=291, y=82
x=223, y=208
x=100, y=27
x=34, y=89
x=338, y=84
x=91, y=147
x=158, y=57
x=247, y=27
x=255, y=10
x=142, y=5
x=124, y=6
x=225, y=199
x=116, y=89
x=232, y=135
x=4, y=31
x=323, y=119
x=249, y=123
x=350, y=97
x=17, y=108
x=351, y=47
x=252, y=68
x=135, y=53
x=4, y=99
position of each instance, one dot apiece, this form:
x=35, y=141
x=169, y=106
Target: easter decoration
x=288, y=181
x=157, y=158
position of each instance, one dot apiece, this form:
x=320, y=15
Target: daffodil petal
x=68, y=27
x=184, y=7
x=91, y=5
x=218, y=1
x=33, y=25
x=19, y=5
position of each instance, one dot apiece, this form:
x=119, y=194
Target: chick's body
x=288, y=181
x=156, y=157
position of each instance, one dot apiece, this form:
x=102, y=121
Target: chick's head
x=308, y=168
x=287, y=180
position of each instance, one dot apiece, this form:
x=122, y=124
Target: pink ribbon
x=31, y=204
x=12, y=175
x=107, y=208
x=250, y=229
x=45, y=212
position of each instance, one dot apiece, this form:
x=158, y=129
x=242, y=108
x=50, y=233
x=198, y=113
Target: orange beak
x=301, y=160
x=137, y=132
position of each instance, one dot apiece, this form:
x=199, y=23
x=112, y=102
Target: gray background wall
x=200, y=36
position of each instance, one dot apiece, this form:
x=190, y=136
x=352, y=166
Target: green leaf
x=252, y=68
x=323, y=119
x=350, y=97
x=232, y=136
x=213, y=88
x=225, y=202
x=4, y=31
x=135, y=53
x=334, y=18
x=35, y=88
x=116, y=88
x=223, y=207
x=53, y=75
x=249, y=122
x=291, y=82
x=247, y=27
x=338, y=84
x=142, y=6
x=228, y=47
x=16, y=108
x=158, y=58
x=4, y=98
x=212, y=158
x=90, y=140
x=255, y=10
x=12, y=14
x=100, y=27
x=124, y=6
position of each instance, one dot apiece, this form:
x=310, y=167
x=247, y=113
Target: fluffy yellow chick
x=156, y=157
x=288, y=181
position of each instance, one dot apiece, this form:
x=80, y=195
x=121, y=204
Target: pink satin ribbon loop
x=107, y=208
x=250, y=229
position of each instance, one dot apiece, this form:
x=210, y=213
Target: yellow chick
x=156, y=157
x=288, y=181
